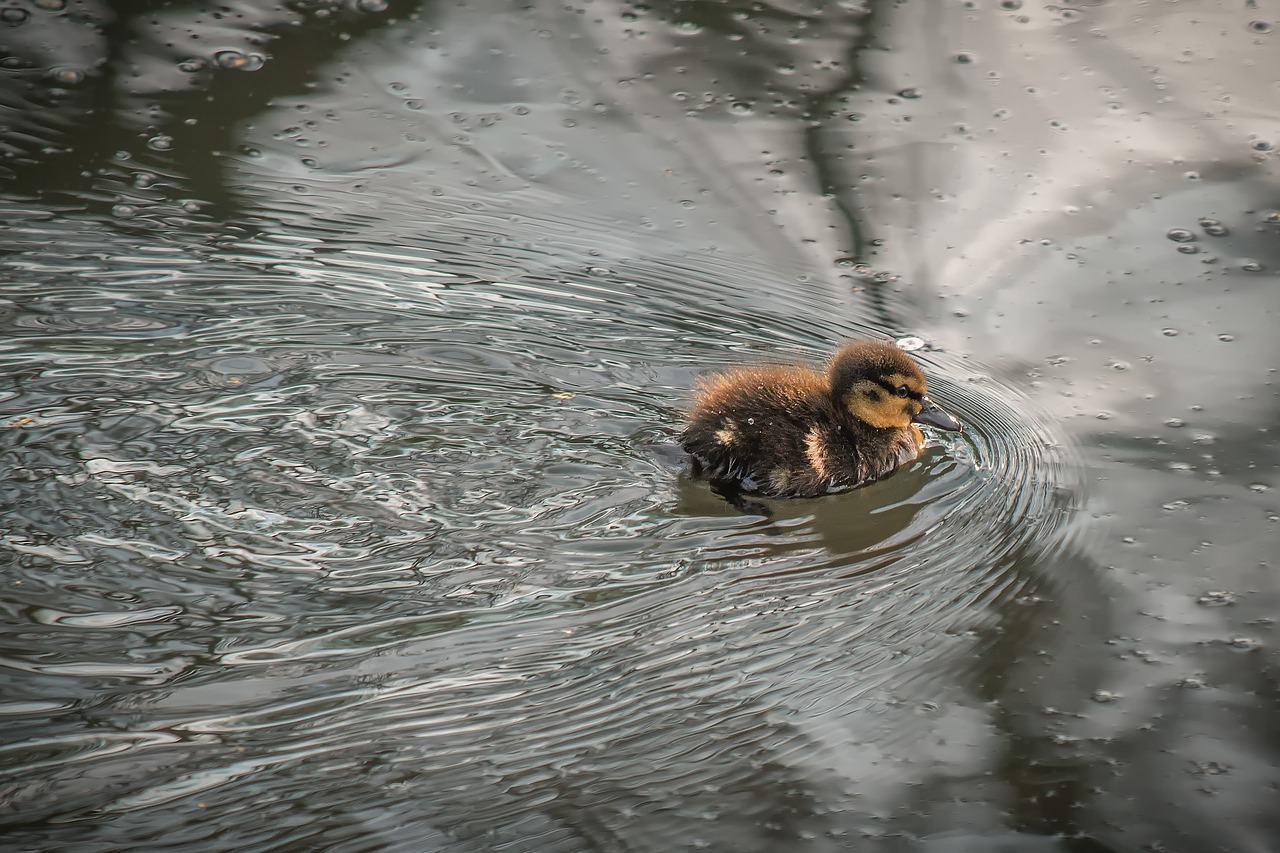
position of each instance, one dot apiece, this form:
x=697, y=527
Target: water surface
x=346, y=348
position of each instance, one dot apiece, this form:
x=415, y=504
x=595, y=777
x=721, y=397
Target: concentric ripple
x=447, y=515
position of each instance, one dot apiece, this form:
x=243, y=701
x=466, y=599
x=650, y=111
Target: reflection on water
x=343, y=374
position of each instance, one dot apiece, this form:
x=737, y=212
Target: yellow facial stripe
x=877, y=407
x=913, y=384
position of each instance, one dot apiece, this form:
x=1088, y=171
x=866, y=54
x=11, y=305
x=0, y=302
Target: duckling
x=790, y=431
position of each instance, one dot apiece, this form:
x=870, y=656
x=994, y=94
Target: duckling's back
x=772, y=430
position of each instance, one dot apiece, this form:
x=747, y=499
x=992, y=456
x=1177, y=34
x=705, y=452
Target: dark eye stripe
x=893, y=389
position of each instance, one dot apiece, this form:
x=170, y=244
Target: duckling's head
x=882, y=386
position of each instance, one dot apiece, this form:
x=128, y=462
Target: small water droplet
x=1261, y=26
x=1250, y=265
x=1244, y=644
x=238, y=61
x=371, y=5
x=1169, y=333
x=910, y=343
x=1175, y=506
x=123, y=211
x=1011, y=5
x=160, y=143
x=190, y=66
x=1213, y=227
x=1191, y=176
x=1103, y=416
x=1261, y=145
x=1226, y=339
x=1216, y=598
x=964, y=58
x=1189, y=248
x=1180, y=235
x=66, y=76
x=1104, y=696
x=14, y=16
x=910, y=93
x=51, y=5
x=688, y=28
x=1258, y=487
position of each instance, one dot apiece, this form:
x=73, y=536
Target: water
x=342, y=378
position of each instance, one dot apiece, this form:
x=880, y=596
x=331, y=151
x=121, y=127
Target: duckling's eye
x=902, y=391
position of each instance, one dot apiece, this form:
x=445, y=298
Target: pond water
x=344, y=353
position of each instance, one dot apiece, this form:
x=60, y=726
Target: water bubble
x=1180, y=235
x=1188, y=248
x=964, y=58
x=66, y=76
x=1104, y=696
x=910, y=93
x=909, y=344
x=1191, y=176
x=14, y=16
x=1244, y=644
x=1258, y=487
x=1260, y=26
x=1213, y=227
x=237, y=61
x=1169, y=333
x=160, y=143
x=688, y=28
x=1272, y=216
x=123, y=211
x=1011, y=5
x=1226, y=339
x=371, y=5
x=1216, y=598
x=1175, y=506
x=142, y=180
x=1250, y=265
x=1261, y=145
x=51, y=5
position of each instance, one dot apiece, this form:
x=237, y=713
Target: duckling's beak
x=933, y=416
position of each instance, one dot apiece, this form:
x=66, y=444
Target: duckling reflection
x=792, y=431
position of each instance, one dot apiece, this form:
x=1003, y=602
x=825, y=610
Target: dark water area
x=344, y=348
